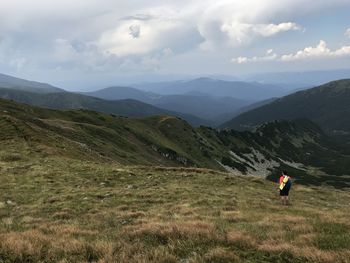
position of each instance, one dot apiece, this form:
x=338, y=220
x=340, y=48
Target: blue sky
x=89, y=43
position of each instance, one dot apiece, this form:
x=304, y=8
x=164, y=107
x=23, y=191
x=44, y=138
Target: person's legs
x=282, y=196
x=282, y=200
x=285, y=200
x=287, y=196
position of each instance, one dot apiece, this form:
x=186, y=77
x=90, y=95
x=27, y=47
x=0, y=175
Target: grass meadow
x=65, y=210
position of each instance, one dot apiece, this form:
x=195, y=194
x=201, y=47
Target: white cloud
x=139, y=27
x=347, y=32
x=320, y=51
x=241, y=33
x=317, y=52
x=234, y=23
x=133, y=37
x=270, y=56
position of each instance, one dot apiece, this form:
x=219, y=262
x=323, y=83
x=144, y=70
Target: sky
x=84, y=44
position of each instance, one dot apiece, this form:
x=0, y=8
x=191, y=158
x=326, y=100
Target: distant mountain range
x=327, y=105
x=195, y=103
x=122, y=93
x=204, y=102
x=214, y=100
x=68, y=100
x=26, y=85
x=249, y=91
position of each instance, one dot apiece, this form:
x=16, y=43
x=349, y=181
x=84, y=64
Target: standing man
x=284, y=186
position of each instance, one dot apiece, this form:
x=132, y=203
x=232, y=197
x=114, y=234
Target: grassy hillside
x=82, y=186
x=68, y=100
x=326, y=105
x=64, y=210
x=169, y=141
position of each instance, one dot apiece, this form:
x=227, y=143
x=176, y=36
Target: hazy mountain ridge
x=251, y=91
x=222, y=119
x=121, y=93
x=10, y=82
x=205, y=98
x=68, y=100
x=195, y=103
x=197, y=107
x=202, y=106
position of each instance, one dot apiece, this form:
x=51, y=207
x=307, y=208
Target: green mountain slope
x=327, y=105
x=169, y=141
x=83, y=186
x=67, y=100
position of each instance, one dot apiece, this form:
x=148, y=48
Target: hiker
x=285, y=184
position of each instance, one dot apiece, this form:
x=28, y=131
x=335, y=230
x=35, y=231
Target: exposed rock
x=9, y=202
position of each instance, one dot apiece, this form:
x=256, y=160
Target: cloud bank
x=140, y=35
x=347, y=32
x=318, y=52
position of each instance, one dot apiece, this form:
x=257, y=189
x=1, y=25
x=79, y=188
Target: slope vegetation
x=165, y=140
x=82, y=186
x=327, y=105
x=63, y=210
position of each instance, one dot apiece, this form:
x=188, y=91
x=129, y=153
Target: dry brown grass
x=22, y=245
x=192, y=230
x=221, y=255
x=232, y=216
x=310, y=253
x=77, y=212
x=241, y=239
